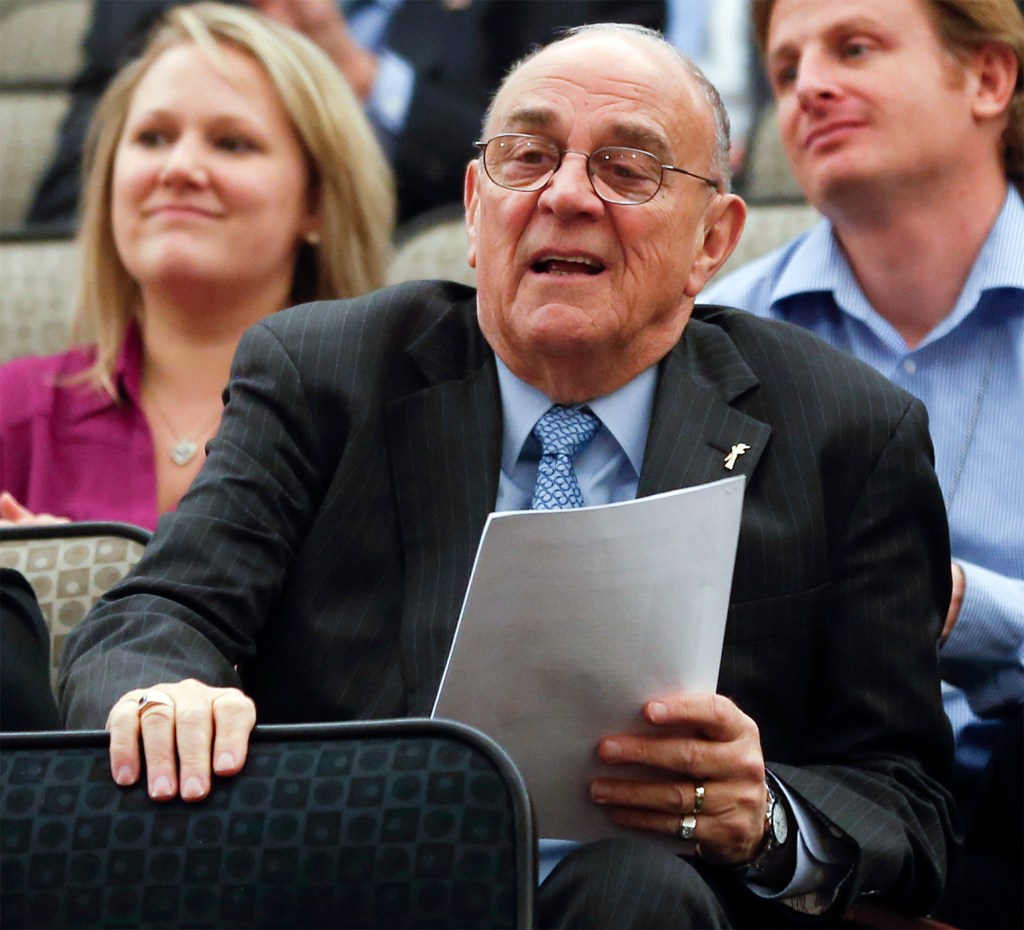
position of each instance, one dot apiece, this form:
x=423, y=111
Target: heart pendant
x=183, y=451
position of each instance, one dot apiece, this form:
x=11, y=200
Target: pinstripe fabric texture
x=326, y=547
x=969, y=373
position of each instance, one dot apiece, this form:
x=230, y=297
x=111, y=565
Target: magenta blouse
x=72, y=450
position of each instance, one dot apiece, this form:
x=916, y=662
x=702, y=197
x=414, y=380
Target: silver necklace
x=185, y=448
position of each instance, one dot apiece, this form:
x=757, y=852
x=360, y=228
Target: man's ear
x=724, y=224
x=994, y=71
x=471, y=198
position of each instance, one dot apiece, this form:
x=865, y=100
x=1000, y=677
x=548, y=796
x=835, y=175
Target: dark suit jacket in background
x=26, y=698
x=459, y=54
x=326, y=547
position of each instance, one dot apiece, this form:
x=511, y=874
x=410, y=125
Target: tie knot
x=565, y=431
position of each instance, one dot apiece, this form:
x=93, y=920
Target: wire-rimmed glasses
x=619, y=175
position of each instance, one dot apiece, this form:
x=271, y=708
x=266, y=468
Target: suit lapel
x=445, y=450
x=693, y=425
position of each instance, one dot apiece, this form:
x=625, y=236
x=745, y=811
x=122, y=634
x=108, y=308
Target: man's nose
x=570, y=191
x=815, y=79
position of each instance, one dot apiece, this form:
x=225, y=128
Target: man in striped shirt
x=902, y=122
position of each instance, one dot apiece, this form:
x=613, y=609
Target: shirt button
x=909, y=366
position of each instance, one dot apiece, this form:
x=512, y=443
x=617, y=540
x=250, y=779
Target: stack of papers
x=573, y=619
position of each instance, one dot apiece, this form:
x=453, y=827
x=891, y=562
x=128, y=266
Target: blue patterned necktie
x=562, y=433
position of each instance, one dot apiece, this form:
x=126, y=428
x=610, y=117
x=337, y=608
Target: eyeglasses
x=618, y=175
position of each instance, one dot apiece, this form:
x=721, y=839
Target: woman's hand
x=187, y=729
x=14, y=514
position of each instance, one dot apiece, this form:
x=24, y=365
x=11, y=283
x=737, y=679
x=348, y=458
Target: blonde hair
x=349, y=176
x=963, y=27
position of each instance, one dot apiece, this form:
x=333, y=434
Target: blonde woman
x=230, y=173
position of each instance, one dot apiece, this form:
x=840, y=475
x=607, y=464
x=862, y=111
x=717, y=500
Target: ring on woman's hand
x=698, y=799
x=687, y=827
x=150, y=699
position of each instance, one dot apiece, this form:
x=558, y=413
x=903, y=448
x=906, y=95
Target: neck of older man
x=575, y=375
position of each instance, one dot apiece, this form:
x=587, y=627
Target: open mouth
x=562, y=265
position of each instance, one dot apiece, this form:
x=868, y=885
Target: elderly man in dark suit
x=316, y=569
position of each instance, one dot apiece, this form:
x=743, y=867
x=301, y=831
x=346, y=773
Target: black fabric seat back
x=405, y=823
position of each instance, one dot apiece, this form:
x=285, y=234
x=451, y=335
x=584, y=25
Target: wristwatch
x=777, y=833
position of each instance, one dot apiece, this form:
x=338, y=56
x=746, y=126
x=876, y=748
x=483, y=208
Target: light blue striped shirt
x=969, y=372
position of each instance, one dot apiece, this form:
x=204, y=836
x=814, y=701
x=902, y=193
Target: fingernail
x=599, y=792
x=611, y=749
x=192, y=789
x=161, y=787
x=123, y=776
x=225, y=762
x=657, y=711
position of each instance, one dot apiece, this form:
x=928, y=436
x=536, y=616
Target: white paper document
x=573, y=619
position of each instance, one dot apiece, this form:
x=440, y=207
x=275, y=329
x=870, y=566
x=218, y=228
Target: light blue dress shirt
x=608, y=470
x=969, y=372
x=387, y=107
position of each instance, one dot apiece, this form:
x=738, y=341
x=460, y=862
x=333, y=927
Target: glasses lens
x=625, y=175
x=523, y=163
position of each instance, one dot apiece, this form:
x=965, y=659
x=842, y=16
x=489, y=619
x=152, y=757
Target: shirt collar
x=998, y=266
x=625, y=413
x=127, y=378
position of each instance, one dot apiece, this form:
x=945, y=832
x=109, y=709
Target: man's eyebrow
x=640, y=137
x=529, y=118
x=632, y=135
x=832, y=32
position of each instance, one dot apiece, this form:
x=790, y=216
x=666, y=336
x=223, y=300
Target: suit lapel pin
x=734, y=453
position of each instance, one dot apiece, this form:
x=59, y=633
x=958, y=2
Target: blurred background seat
x=37, y=297
x=40, y=53
x=432, y=245
x=69, y=565
x=767, y=177
x=41, y=42
x=29, y=120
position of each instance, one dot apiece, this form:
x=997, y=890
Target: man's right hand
x=207, y=729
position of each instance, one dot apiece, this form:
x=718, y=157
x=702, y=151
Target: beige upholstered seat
x=769, y=226
x=29, y=122
x=69, y=566
x=37, y=296
x=41, y=42
x=433, y=246
x=769, y=179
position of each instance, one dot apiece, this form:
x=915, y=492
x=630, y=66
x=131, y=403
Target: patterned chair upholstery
x=433, y=245
x=400, y=823
x=69, y=566
x=40, y=283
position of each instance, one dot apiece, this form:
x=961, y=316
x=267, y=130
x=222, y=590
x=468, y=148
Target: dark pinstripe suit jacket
x=326, y=546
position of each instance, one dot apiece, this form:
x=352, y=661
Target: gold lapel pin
x=734, y=453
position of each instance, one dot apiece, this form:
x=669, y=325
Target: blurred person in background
x=423, y=71
x=223, y=185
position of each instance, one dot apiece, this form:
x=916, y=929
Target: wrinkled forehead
x=619, y=90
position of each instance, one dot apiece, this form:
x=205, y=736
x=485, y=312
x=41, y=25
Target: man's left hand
x=707, y=741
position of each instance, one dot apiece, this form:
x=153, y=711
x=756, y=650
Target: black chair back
x=398, y=823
